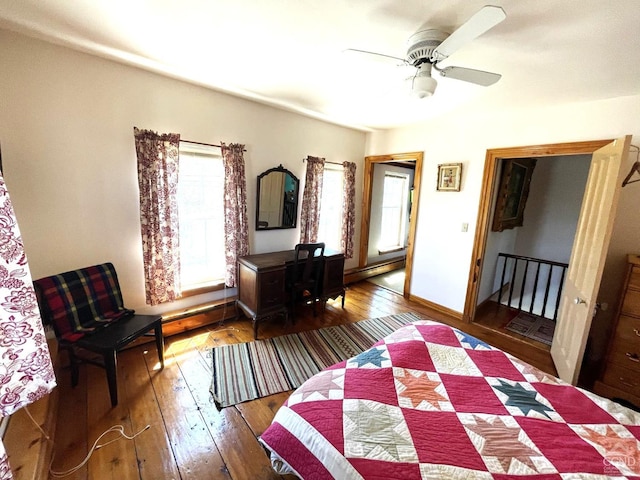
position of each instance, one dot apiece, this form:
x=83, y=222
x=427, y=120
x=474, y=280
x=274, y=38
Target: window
x=330, y=228
x=395, y=196
x=201, y=216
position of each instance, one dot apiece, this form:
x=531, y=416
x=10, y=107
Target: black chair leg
x=111, y=365
x=160, y=343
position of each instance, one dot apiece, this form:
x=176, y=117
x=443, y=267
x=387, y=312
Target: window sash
x=331, y=205
x=394, y=211
x=201, y=216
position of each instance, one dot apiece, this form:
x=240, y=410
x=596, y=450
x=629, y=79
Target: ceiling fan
x=428, y=47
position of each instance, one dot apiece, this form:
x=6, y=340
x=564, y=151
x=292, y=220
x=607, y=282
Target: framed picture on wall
x=513, y=193
x=449, y=175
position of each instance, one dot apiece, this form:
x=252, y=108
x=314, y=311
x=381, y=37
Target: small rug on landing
x=532, y=326
x=245, y=371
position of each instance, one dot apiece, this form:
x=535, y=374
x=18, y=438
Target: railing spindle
x=504, y=271
x=536, y=283
x=555, y=313
x=524, y=283
x=535, y=289
x=513, y=277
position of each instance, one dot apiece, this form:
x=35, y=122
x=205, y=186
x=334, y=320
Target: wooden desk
x=262, y=280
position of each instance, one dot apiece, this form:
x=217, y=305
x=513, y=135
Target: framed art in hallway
x=449, y=175
x=513, y=193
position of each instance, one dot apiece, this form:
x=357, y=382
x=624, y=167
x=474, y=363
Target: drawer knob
x=633, y=357
x=635, y=330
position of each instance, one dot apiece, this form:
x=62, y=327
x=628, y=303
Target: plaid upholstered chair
x=86, y=311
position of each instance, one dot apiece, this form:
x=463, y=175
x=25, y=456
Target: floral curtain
x=348, y=208
x=158, y=181
x=236, y=229
x=311, y=197
x=26, y=372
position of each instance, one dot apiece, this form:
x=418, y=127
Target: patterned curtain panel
x=236, y=229
x=348, y=209
x=158, y=182
x=310, y=215
x=26, y=372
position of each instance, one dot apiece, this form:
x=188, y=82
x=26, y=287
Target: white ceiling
x=290, y=52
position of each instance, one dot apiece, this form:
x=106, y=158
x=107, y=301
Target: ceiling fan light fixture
x=423, y=84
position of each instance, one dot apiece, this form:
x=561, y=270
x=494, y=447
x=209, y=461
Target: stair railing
x=528, y=278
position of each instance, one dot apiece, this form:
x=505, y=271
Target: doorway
x=370, y=192
x=487, y=195
x=589, y=249
x=527, y=254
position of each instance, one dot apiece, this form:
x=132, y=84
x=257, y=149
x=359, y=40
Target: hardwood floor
x=188, y=437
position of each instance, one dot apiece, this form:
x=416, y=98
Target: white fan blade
x=378, y=56
x=478, y=77
x=488, y=17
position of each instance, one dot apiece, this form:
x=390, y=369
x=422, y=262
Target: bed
x=429, y=401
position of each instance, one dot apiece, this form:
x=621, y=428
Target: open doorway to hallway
x=578, y=304
x=526, y=258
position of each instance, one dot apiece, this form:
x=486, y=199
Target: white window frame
x=331, y=204
x=207, y=215
x=399, y=205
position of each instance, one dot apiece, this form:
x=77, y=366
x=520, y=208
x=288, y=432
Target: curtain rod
x=326, y=161
x=205, y=144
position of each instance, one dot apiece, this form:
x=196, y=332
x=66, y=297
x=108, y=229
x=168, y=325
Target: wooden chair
x=306, y=278
x=86, y=311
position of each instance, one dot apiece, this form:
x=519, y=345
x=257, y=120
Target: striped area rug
x=246, y=371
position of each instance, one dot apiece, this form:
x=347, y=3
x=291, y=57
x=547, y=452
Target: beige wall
x=66, y=130
x=442, y=251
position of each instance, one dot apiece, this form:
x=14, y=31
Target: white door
x=593, y=233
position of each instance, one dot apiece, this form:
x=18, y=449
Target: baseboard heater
x=218, y=304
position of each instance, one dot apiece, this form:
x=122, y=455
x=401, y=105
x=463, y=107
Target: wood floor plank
x=117, y=460
x=227, y=427
x=71, y=444
x=260, y=412
x=193, y=447
x=153, y=449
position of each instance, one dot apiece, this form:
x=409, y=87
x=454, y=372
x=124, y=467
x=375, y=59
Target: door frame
x=489, y=185
x=369, y=162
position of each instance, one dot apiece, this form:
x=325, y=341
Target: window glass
x=201, y=216
x=330, y=228
x=394, y=210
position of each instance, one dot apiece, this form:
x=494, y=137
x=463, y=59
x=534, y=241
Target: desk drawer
x=271, y=286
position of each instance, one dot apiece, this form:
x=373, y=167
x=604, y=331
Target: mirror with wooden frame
x=277, y=199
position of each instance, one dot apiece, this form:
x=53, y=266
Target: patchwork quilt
x=429, y=401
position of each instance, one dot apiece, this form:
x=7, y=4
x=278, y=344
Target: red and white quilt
x=429, y=401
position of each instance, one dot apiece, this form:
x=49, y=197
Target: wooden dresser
x=621, y=373
x=262, y=279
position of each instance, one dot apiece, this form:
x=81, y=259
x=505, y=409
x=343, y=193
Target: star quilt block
x=430, y=402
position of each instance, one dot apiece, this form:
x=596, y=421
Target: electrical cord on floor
x=96, y=445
